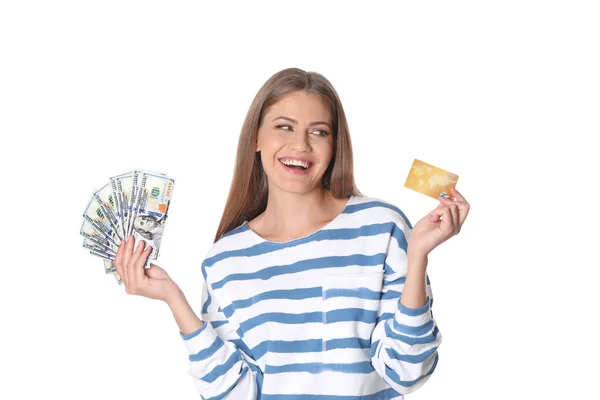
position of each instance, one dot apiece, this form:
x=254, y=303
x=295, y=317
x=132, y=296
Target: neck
x=293, y=213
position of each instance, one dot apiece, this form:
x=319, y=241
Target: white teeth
x=295, y=162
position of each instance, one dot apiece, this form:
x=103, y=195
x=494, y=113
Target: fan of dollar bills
x=135, y=203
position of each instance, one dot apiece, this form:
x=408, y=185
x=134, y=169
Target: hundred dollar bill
x=106, y=201
x=132, y=199
x=102, y=247
x=90, y=232
x=117, y=194
x=118, y=278
x=94, y=215
x=101, y=254
x=124, y=183
x=136, y=195
x=99, y=250
x=109, y=267
x=148, y=221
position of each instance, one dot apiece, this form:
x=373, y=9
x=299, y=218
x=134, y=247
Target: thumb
x=155, y=271
x=436, y=213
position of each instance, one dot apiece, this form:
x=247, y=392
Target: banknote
x=109, y=268
x=106, y=201
x=94, y=215
x=148, y=221
x=135, y=203
x=116, y=188
x=133, y=198
x=95, y=234
x=136, y=194
x=100, y=254
x=94, y=244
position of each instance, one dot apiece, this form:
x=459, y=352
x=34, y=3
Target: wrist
x=416, y=253
x=175, y=297
x=417, y=260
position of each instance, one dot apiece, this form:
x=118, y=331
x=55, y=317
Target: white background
x=504, y=94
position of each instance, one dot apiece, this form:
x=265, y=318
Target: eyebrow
x=295, y=122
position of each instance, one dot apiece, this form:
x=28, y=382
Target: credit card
x=430, y=180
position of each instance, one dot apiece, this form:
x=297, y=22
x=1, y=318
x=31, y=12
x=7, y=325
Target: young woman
x=311, y=289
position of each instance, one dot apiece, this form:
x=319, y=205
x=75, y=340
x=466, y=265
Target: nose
x=300, y=140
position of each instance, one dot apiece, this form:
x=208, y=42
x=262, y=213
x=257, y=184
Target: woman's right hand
x=153, y=282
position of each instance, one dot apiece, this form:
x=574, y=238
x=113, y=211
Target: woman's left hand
x=431, y=231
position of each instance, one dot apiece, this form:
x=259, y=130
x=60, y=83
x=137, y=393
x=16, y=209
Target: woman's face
x=298, y=126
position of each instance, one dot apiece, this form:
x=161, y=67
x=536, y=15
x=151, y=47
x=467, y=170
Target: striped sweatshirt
x=317, y=317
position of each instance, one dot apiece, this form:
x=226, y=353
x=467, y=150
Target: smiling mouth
x=297, y=167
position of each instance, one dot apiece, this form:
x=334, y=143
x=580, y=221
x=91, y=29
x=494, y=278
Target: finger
x=458, y=196
x=434, y=215
x=126, y=256
x=141, y=261
x=463, y=208
x=128, y=250
x=455, y=216
x=138, y=267
x=441, y=208
x=129, y=255
x=133, y=260
x=443, y=217
x=456, y=209
x=453, y=199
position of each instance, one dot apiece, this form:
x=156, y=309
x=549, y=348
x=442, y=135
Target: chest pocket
x=350, y=307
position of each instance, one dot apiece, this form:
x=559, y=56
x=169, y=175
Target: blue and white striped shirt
x=317, y=317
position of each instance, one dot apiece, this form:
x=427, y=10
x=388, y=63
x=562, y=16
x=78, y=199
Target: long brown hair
x=248, y=193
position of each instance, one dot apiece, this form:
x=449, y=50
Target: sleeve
x=405, y=340
x=217, y=364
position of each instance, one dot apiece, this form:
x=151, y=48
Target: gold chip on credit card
x=432, y=181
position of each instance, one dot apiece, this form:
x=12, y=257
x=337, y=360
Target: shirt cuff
x=413, y=321
x=203, y=342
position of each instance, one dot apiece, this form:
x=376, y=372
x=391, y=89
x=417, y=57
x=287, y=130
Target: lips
x=310, y=163
x=297, y=171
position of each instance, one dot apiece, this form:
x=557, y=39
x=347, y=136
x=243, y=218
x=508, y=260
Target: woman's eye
x=322, y=132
